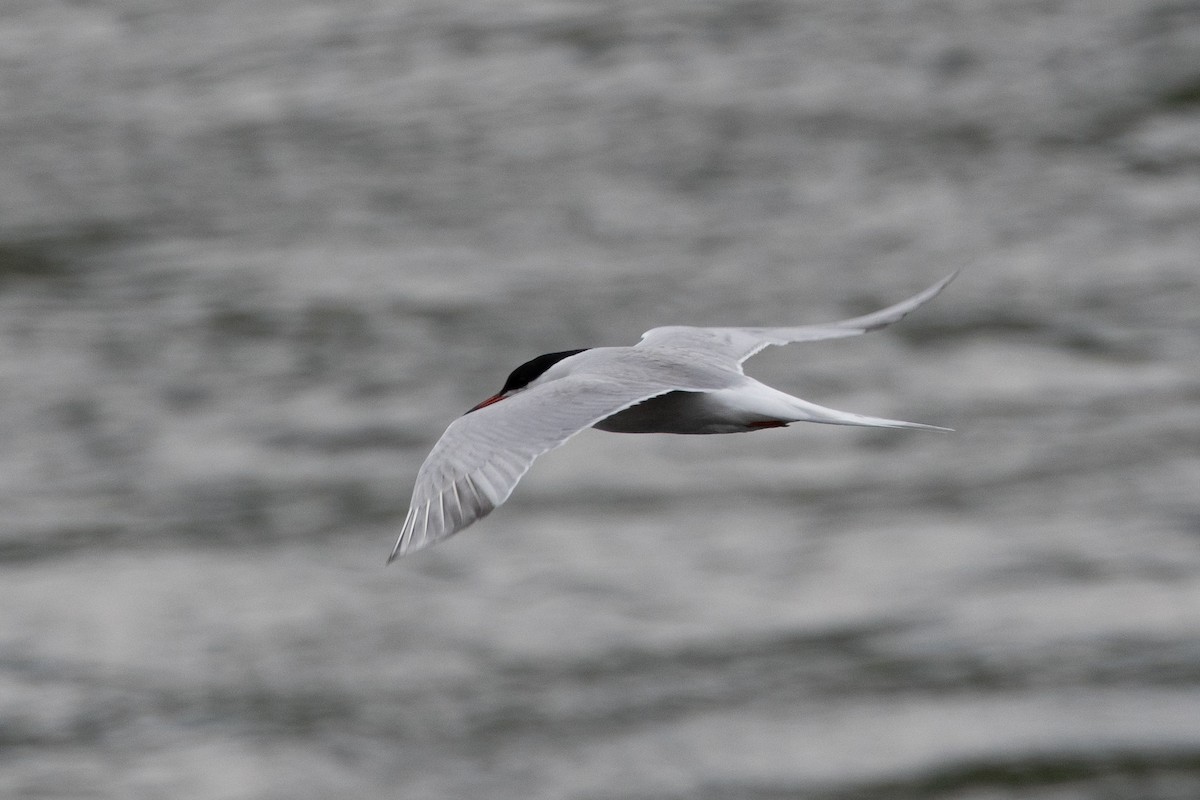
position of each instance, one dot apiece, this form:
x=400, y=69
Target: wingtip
x=936, y=288
x=921, y=426
x=395, y=554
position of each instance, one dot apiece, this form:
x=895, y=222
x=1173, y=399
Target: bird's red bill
x=496, y=398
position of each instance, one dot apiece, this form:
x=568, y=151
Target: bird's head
x=527, y=374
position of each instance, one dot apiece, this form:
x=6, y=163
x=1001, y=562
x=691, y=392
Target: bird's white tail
x=811, y=412
x=753, y=402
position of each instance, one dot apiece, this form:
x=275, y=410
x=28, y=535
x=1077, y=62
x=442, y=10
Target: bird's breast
x=682, y=413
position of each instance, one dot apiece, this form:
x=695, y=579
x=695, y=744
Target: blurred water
x=254, y=257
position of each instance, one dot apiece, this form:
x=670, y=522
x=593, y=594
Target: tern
x=677, y=379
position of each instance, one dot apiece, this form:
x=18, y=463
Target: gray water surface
x=255, y=256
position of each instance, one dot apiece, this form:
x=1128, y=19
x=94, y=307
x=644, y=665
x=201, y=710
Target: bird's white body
x=677, y=379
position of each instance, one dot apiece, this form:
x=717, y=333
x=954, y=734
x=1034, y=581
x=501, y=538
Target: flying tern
x=677, y=379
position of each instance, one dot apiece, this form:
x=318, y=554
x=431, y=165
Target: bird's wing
x=476, y=464
x=738, y=344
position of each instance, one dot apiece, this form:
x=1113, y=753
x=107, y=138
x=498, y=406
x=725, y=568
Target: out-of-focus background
x=255, y=256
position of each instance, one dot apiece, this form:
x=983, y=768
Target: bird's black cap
x=528, y=372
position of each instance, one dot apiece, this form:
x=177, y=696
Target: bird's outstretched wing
x=476, y=464
x=738, y=344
